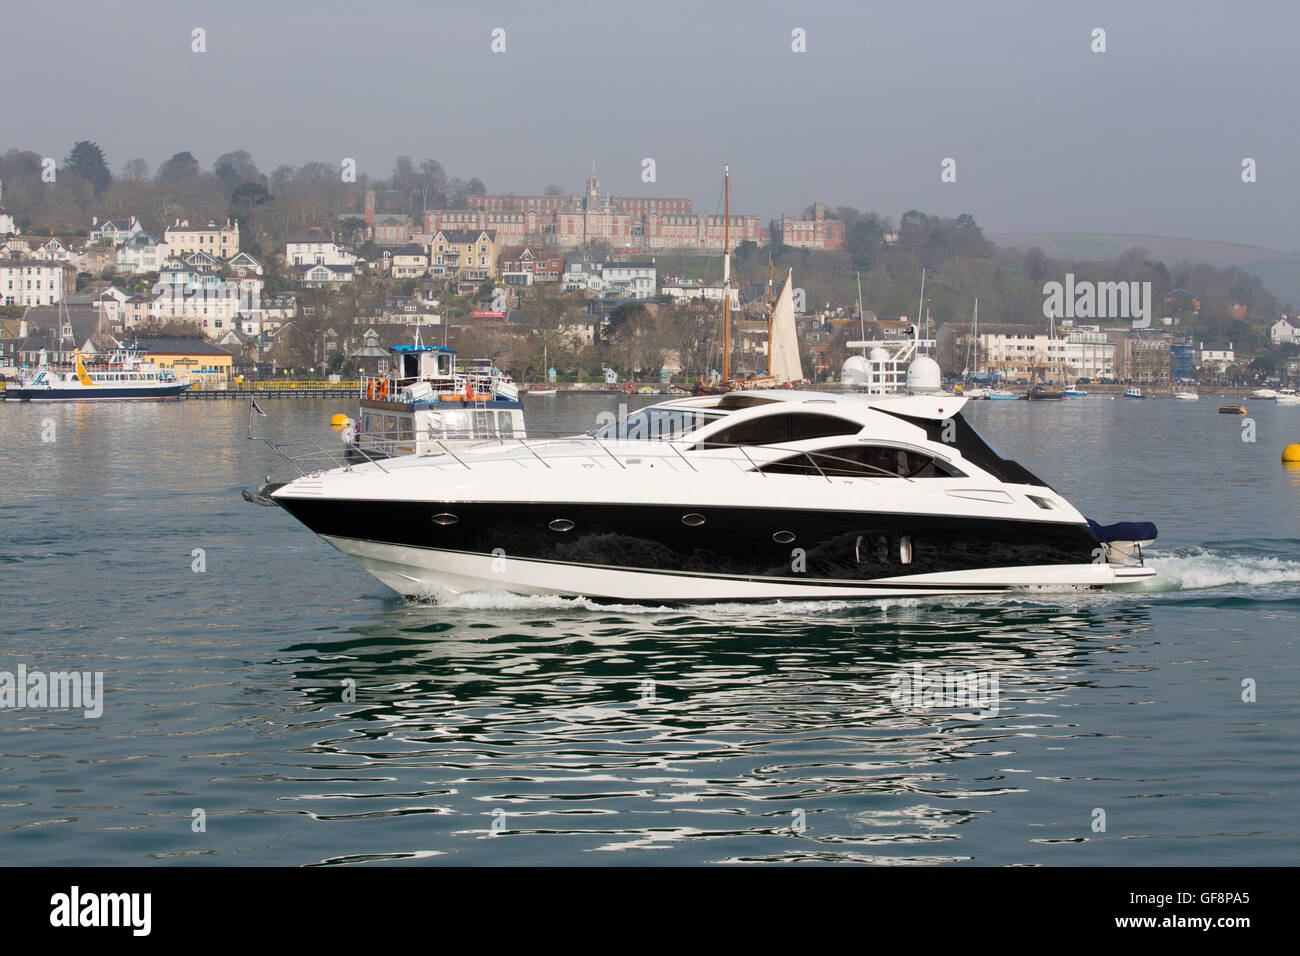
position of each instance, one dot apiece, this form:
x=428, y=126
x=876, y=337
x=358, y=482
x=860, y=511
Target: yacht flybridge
x=748, y=495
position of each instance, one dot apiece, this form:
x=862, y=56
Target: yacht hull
x=430, y=573
x=658, y=553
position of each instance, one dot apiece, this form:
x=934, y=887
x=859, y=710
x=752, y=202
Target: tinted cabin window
x=780, y=429
x=975, y=448
x=863, y=461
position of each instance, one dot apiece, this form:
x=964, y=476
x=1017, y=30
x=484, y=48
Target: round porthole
x=783, y=537
x=445, y=519
x=561, y=524
x=692, y=520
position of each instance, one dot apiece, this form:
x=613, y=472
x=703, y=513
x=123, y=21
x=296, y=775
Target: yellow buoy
x=340, y=421
x=1291, y=453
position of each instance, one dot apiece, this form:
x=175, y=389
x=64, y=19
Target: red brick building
x=815, y=233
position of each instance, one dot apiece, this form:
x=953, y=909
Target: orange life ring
x=469, y=391
x=370, y=389
x=383, y=389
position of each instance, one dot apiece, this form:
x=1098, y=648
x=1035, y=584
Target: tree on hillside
x=432, y=184
x=87, y=161
x=550, y=312
x=694, y=331
x=136, y=170
x=180, y=167
x=235, y=168
x=248, y=196
x=863, y=238
x=641, y=342
x=404, y=180
x=1036, y=267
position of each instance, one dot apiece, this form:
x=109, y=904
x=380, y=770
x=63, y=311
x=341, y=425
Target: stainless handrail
x=312, y=453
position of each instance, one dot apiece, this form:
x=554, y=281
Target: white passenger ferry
x=425, y=404
x=119, y=375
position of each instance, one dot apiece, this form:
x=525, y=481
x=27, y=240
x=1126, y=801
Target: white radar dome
x=923, y=375
x=855, y=371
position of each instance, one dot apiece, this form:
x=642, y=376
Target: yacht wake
x=1196, y=569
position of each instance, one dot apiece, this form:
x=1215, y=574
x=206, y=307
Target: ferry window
x=505, y=424
x=483, y=424
x=406, y=432
x=780, y=429
x=458, y=425
x=433, y=426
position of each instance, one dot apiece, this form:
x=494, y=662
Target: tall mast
x=726, y=273
x=862, y=319
x=769, y=313
x=920, y=302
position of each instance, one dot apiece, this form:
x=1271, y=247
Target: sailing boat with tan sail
x=784, y=366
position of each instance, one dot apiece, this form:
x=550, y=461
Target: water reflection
x=769, y=733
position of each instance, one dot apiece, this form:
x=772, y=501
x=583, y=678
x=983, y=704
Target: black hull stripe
x=733, y=543
x=94, y=395
x=799, y=582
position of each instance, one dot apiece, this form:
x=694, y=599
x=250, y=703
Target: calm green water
x=598, y=735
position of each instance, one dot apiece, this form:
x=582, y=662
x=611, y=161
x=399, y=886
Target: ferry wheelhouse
x=425, y=404
x=123, y=374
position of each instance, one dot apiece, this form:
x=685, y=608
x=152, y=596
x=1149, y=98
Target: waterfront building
x=567, y=222
x=218, y=241
x=315, y=247
x=143, y=252
x=1216, y=355
x=467, y=255
x=1282, y=332
x=115, y=231
x=410, y=261
x=207, y=365
x=524, y=265
x=815, y=233
x=34, y=281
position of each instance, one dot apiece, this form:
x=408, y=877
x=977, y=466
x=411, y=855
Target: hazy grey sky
x=1047, y=135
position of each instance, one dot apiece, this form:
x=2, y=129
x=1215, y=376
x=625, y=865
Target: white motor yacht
x=751, y=495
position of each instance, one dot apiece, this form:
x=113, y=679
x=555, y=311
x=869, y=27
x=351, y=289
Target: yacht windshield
x=656, y=424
